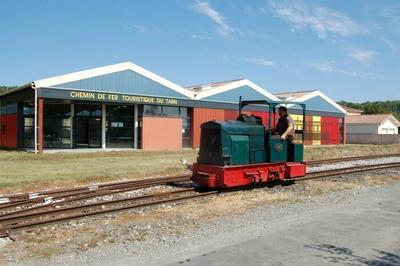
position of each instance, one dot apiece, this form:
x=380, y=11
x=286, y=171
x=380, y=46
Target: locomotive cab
x=227, y=143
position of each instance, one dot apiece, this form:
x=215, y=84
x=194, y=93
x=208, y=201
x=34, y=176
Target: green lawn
x=21, y=171
x=31, y=171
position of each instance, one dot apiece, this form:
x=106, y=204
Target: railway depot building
x=127, y=106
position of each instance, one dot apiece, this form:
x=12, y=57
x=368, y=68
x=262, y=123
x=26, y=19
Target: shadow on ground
x=346, y=256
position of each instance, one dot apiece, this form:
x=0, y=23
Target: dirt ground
x=26, y=172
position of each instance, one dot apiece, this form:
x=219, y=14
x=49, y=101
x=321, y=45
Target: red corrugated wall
x=8, y=134
x=1, y=130
x=231, y=114
x=201, y=115
x=263, y=115
x=330, y=130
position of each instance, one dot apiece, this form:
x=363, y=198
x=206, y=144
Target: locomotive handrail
x=271, y=110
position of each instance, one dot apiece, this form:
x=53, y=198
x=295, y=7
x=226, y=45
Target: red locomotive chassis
x=214, y=176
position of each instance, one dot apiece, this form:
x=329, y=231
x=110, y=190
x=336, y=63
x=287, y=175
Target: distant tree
x=4, y=88
x=378, y=107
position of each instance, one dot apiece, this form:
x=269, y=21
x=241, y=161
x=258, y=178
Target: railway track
x=354, y=158
x=68, y=210
x=24, y=200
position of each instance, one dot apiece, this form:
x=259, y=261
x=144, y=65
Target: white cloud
x=222, y=26
x=325, y=66
x=200, y=37
x=260, y=61
x=391, y=17
x=248, y=10
x=140, y=28
x=329, y=67
x=391, y=13
x=363, y=56
x=322, y=20
x=389, y=43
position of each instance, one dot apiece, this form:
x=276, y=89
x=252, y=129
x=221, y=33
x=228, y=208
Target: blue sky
x=348, y=49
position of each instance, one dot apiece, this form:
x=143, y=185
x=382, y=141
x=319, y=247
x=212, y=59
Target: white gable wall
x=387, y=128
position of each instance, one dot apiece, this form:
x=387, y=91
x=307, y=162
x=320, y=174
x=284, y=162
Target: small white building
x=372, y=124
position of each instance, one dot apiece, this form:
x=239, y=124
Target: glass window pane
x=29, y=137
x=29, y=110
x=82, y=113
x=29, y=121
x=57, y=126
x=183, y=112
x=119, y=129
x=152, y=110
x=57, y=110
x=57, y=137
x=170, y=111
x=88, y=110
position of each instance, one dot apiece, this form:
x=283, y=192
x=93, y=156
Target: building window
x=57, y=126
x=29, y=125
x=119, y=126
x=158, y=110
x=185, y=113
x=170, y=111
x=87, y=126
x=152, y=110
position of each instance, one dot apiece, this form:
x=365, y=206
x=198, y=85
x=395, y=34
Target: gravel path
x=353, y=163
x=362, y=232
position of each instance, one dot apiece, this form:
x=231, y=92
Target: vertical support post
x=103, y=126
x=304, y=125
x=344, y=130
x=1, y=127
x=40, y=125
x=72, y=112
x=240, y=105
x=135, y=125
x=36, y=123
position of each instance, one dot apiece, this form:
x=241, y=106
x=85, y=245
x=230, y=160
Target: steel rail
x=345, y=171
x=352, y=167
x=6, y=230
x=353, y=158
x=145, y=183
x=84, y=196
x=17, y=218
x=27, y=196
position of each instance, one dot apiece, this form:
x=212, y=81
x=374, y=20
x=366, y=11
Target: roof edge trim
x=93, y=72
x=322, y=95
x=235, y=85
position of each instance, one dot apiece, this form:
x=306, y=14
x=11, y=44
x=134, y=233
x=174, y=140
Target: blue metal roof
x=232, y=96
x=126, y=81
